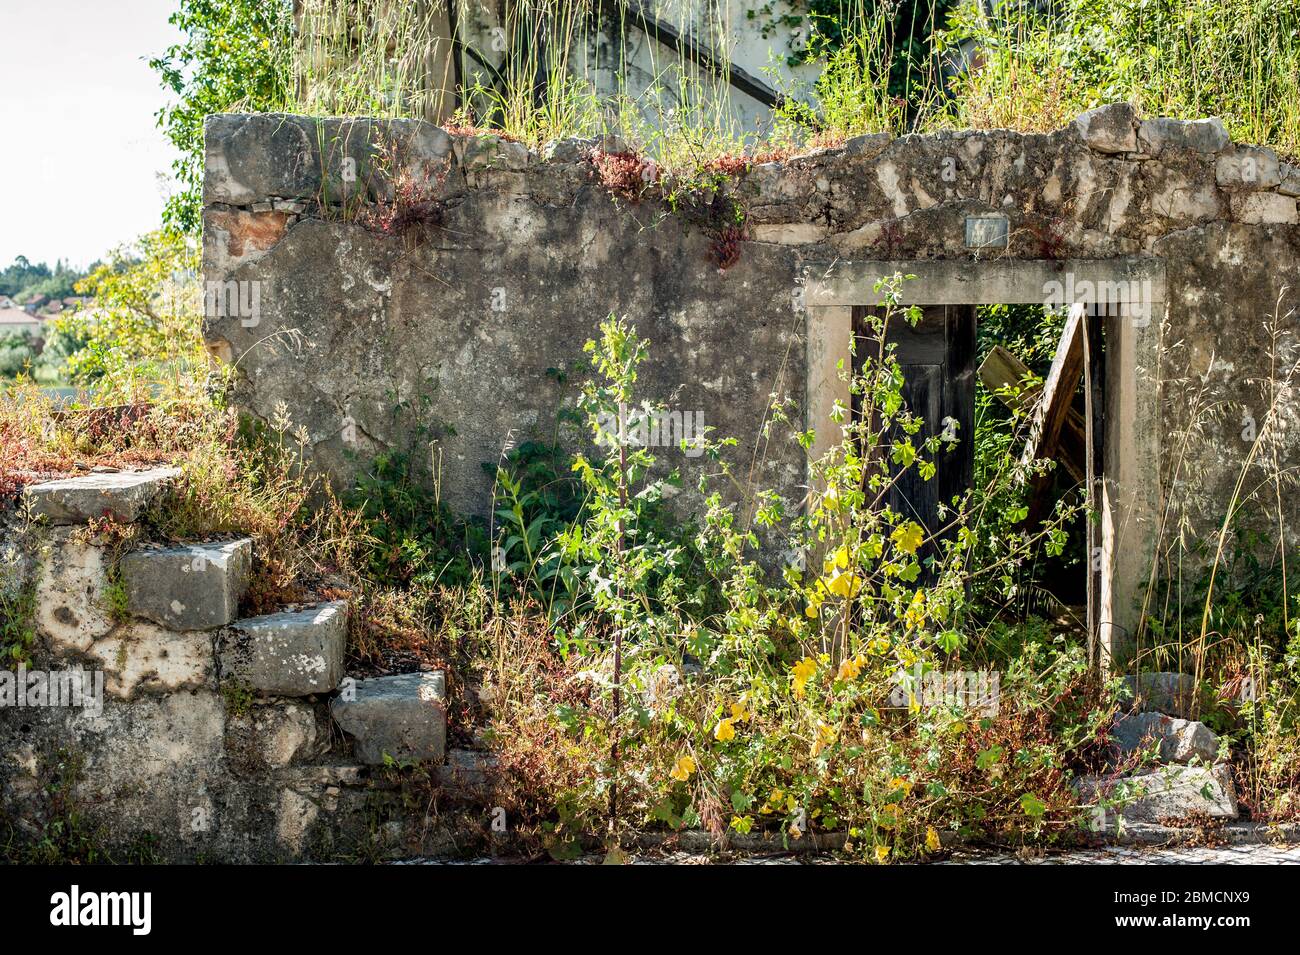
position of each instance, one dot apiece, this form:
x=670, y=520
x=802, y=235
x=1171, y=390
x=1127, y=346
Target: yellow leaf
x=724, y=731
x=683, y=769
x=845, y=584
x=825, y=736
x=908, y=537
x=932, y=843
x=882, y=853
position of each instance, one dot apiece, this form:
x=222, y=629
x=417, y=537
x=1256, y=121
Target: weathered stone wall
x=461, y=317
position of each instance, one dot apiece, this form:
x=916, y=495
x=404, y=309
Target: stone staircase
x=248, y=725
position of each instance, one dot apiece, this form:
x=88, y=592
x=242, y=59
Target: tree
x=233, y=58
x=17, y=352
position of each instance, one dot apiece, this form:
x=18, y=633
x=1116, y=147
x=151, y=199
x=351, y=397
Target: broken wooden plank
x=1001, y=371
x=1058, y=390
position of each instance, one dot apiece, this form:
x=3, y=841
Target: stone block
x=1156, y=136
x=1248, y=167
x=142, y=655
x=248, y=158
x=1162, y=692
x=1265, y=208
x=292, y=653
x=572, y=149
x=1177, y=741
x=71, y=578
x=493, y=152
x=191, y=587
x=1167, y=794
x=119, y=495
x=867, y=145
x=403, y=717
x=1109, y=129
x=1290, y=184
x=273, y=736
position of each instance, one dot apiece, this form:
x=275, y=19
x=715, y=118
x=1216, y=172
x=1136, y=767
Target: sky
x=83, y=164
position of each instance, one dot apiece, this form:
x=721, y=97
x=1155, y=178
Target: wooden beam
x=1000, y=371
x=1058, y=390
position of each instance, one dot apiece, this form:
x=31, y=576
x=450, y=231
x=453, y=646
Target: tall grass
x=1235, y=59
x=545, y=69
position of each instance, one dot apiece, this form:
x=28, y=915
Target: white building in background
x=737, y=51
x=15, y=321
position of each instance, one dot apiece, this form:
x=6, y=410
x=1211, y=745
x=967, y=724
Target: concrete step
x=121, y=495
x=190, y=587
x=291, y=653
x=403, y=717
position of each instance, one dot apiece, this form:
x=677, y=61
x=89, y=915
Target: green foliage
x=232, y=59
x=789, y=721
x=17, y=354
x=17, y=625
x=412, y=538
x=1235, y=59
x=144, y=333
x=23, y=280
x=238, y=697
x=117, y=599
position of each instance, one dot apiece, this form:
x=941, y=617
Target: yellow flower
x=882, y=853
x=915, y=615
x=932, y=843
x=850, y=669
x=739, y=712
x=825, y=736
x=682, y=770
x=802, y=673
x=908, y=537
x=724, y=731
x=898, y=782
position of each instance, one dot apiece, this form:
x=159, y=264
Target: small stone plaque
x=987, y=232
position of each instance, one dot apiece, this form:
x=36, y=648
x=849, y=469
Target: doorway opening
x=976, y=373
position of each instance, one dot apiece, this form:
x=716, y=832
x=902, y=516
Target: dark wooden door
x=938, y=362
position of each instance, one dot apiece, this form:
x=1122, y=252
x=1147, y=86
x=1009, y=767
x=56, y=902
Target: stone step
x=121, y=495
x=1166, y=794
x=291, y=653
x=191, y=587
x=403, y=717
x=1178, y=741
x=467, y=771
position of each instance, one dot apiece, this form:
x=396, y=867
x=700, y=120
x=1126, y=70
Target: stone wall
x=449, y=328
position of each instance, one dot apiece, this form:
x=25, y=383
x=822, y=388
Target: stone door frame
x=1130, y=493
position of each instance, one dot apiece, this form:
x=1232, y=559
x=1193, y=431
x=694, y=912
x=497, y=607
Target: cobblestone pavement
x=1249, y=854
x=1256, y=854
